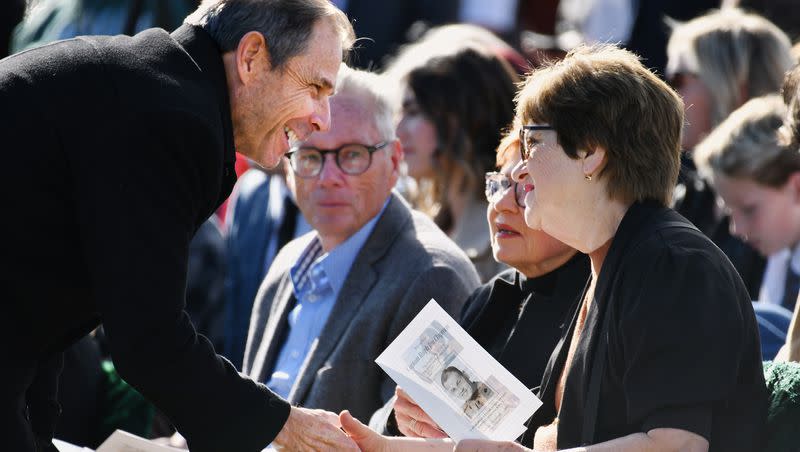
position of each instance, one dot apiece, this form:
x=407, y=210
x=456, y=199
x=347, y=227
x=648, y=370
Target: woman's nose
x=507, y=201
x=520, y=172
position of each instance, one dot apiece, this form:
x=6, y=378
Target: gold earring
x=588, y=177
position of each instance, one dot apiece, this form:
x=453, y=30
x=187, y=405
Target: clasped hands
x=320, y=430
x=421, y=433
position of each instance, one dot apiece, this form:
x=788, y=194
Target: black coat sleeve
x=137, y=216
x=42, y=398
x=679, y=340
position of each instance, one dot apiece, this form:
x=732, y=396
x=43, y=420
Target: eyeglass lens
x=497, y=186
x=352, y=159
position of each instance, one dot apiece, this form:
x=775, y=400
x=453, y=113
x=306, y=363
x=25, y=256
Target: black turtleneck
x=518, y=320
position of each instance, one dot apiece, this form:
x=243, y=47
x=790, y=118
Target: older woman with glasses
x=663, y=351
x=518, y=315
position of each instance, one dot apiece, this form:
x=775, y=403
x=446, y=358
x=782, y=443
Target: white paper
x=458, y=383
x=64, y=446
x=120, y=441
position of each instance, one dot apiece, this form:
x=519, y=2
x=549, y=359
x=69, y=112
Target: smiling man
x=336, y=297
x=132, y=142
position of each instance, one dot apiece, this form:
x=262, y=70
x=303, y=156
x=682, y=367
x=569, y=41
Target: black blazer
x=683, y=347
x=116, y=150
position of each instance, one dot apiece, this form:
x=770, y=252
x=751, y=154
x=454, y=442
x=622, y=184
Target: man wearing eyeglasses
x=334, y=298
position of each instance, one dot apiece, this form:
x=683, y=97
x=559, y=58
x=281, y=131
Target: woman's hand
x=412, y=421
x=370, y=441
x=367, y=439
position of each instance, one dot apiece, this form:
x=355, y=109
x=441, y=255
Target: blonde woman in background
x=717, y=62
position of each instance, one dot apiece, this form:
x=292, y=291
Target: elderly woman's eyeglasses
x=526, y=140
x=352, y=159
x=498, y=183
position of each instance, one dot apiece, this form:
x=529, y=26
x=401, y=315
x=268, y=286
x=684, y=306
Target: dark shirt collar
x=542, y=285
x=545, y=285
x=630, y=230
x=208, y=57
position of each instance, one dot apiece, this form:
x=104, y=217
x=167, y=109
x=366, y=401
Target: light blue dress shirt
x=317, y=278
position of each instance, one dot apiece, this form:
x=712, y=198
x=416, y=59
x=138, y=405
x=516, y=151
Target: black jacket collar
x=208, y=57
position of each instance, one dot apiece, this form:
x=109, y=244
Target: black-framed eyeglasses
x=353, y=159
x=498, y=183
x=526, y=140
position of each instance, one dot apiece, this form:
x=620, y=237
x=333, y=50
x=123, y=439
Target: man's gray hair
x=737, y=55
x=285, y=24
x=371, y=89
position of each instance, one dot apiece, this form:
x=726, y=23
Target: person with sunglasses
x=517, y=316
x=335, y=297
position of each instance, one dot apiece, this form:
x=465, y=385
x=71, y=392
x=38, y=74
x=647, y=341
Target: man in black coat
x=116, y=150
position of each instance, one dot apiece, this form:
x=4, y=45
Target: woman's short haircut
x=370, y=91
x=285, y=24
x=746, y=145
x=469, y=97
x=602, y=96
x=737, y=55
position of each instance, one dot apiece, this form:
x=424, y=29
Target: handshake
x=319, y=430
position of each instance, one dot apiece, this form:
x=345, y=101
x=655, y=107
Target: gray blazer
x=404, y=263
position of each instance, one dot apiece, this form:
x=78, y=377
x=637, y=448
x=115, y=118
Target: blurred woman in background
x=717, y=62
x=454, y=109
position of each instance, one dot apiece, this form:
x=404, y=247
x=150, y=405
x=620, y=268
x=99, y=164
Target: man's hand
x=482, y=445
x=412, y=421
x=313, y=430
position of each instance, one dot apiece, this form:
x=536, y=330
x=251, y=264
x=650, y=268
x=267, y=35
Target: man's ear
x=397, y=154
x=396, y=159
x=252, y=57
x=594, y=161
